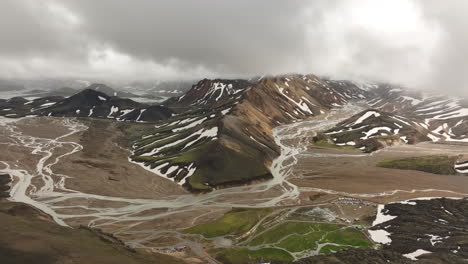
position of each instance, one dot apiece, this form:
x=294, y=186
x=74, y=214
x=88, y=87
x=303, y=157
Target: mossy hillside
x=349, y=236
x=247, y=256
x=235, y=222
x=216, y=164
x=300, y=237
x=133, y=131
x=431, y=164
x=221, y=165
x=323, y=140
x=280, y=231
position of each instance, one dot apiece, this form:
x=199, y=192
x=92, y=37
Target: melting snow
x=381, y=217
x=193, y=124
x=434, y=239
x=114, y=109
x=404, y=138
x=213, y=132
x=414, y=255
x=91, y=111
x=139, y=116
x=413, y=101
x=458, y=113
x=225, y=111
x=380, y=236
x=47, y=104
x=191, y=170
x=303, y=106
x=374, y=131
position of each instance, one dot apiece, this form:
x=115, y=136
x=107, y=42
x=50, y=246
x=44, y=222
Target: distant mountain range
x=87, y=103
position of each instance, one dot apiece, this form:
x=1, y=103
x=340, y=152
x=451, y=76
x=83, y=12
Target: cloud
x=415, y=43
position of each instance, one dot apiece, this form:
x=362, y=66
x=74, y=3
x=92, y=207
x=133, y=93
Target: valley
x=229, y=179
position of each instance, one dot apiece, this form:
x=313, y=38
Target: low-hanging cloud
x=415, y=43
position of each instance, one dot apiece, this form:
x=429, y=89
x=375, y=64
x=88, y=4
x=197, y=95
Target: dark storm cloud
x=230, y=36
x=30, y=28
x=416, y=43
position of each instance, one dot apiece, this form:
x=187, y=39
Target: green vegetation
x=235, y=167
x=348, y=236
x=235, y=222
x=304, y=236
x=331, y=249
x=431, y=164
x=243, y=255
x=324, y=141
x=216, y=164
x=134, y=131
x=287, y=228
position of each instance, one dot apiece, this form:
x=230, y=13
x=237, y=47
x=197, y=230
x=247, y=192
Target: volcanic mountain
x=227, y=138
x=87, y=103
x=444, y=116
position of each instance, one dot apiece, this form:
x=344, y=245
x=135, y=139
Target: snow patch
x=381, y=217
x=414, y=255
x=380, y=236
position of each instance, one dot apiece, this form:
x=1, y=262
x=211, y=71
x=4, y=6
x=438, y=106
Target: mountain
x=149, y=113
x=68, y=91
x=227, y=137
x=444, y=116
x=400, y=116
x=87, y=103
x=373, y=129
x=210, y=92
x=110, y=91
x=92, y=103
x=19, y=106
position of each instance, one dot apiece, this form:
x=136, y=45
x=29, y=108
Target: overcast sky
x=419, y=43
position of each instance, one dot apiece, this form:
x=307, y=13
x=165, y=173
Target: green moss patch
x=432, y=164
x=243, y=255
x=300, y=237
x=235, y=222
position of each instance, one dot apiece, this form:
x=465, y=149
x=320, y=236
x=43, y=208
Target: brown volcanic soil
x=29, y=236
x=360, y=174
x=102, y=167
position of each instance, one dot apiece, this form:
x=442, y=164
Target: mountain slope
x=372, y=129
x=29, y=236
x=87, y=103
x=446, y=117
x=19, y=106
x=228, y=138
